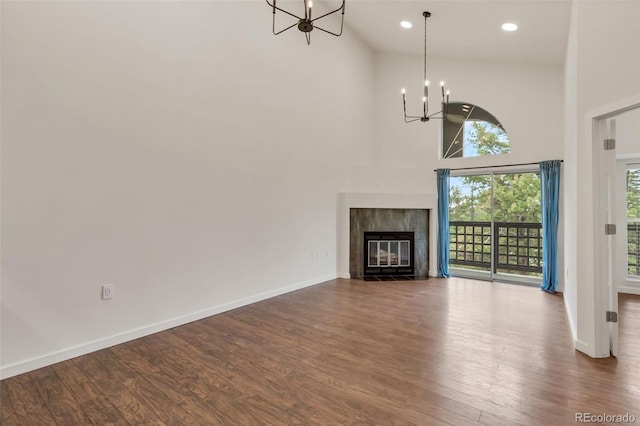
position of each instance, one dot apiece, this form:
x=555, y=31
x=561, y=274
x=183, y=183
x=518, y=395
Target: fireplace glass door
x=389, y=253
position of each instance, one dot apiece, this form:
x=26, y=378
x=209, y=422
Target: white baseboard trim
x=344, y=275
x=584, y=348
x=579, y=345
x=96, y=345
x=629, y=290
x=572, y=326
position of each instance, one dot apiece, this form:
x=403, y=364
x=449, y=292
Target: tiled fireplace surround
x=360, y=212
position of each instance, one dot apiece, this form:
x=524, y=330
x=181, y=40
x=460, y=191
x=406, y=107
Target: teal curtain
x=443, y=222
x=550, y=190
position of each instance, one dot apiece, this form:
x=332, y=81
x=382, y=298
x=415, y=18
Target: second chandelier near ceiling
x=425, y=96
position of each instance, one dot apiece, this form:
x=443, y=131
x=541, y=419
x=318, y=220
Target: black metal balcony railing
x=518, y=245
x=633, y=248
x=470, y=244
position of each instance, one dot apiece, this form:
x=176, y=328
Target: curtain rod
x=493, y=167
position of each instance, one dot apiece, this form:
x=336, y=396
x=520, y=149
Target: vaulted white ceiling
x=466, y=28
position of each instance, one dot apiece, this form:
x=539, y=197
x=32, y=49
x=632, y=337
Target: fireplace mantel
x=347, y=201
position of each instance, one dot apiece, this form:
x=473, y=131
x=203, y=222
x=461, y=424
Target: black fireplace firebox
x=388, y=254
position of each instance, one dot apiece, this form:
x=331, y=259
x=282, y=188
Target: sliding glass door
x=495, y=226
x=470, y=216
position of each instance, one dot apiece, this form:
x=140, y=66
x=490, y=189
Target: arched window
x=470, y=131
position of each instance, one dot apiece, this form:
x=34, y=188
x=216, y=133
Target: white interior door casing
x=608, y=127
x=605, y=247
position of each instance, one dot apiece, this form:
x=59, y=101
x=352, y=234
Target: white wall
x=527, y=99
x=606, y=72
x=167, y=149
x=628, y=133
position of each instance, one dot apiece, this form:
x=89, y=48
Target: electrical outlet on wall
x=107, y=291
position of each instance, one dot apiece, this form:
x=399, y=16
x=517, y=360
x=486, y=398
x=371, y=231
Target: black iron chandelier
x=425, y=97
x=306, y=24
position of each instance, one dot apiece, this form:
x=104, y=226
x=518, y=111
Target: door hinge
x=612, y=316
x=609, y=144
x=610, y=229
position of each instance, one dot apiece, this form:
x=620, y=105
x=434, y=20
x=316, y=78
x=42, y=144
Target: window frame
x=469, y=113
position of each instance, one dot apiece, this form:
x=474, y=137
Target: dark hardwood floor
x=456, y=352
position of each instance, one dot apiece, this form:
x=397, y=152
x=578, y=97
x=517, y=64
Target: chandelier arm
x=332, y=12
x=281, y=31
x=425, y=104
x=329, y=32
x=281, y=10
x=404, y=105
x=416, y=117
x=426, y=116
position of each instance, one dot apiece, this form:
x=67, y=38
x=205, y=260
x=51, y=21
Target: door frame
x=604, y=166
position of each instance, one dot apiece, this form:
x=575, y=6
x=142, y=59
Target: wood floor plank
x=195, y=371
x=60, y=402
x=93, y=404
x=26, y=401
x=371, y=389
x=373, y=385
x=138, y=381
x=119, y=395
x=167, y=380
x=8, y=416
x=259, y=381
x=220, y=399
x=437, y=352
x=375, y=379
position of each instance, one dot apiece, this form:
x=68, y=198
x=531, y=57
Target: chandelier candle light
x=306, y=23
x=425, y=97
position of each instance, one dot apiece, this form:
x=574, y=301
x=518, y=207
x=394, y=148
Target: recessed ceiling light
x=406, y=24
x=509, y=26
